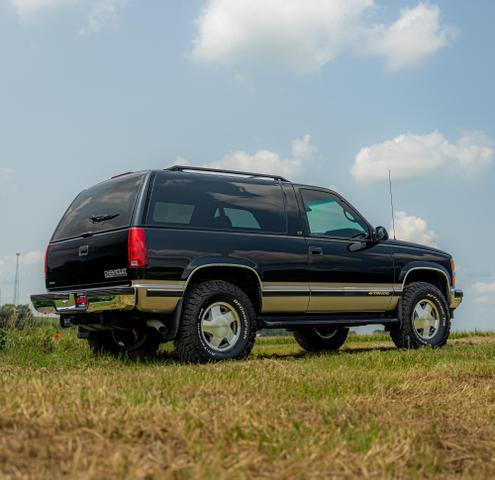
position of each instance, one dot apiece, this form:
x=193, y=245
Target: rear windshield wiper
x=102, y=218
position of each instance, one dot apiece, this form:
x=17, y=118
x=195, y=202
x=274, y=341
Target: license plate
x=81, y=300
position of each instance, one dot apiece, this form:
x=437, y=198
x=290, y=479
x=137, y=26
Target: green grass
x=369, y=410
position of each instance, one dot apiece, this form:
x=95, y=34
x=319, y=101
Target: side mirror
x=381, y=234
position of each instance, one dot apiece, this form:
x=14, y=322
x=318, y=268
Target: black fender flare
x=226, y=262
x=429, y=266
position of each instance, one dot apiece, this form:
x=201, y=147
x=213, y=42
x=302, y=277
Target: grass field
x=368, y=411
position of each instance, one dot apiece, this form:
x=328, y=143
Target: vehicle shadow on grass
x=171, y=357
x=306, y=355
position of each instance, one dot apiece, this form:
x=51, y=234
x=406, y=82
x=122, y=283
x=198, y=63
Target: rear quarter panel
x=174, y=253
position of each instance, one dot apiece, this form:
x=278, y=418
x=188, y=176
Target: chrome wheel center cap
x=426, y=319
x=220, y=326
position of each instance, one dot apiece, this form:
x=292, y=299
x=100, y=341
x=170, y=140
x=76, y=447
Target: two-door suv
x=208, y=257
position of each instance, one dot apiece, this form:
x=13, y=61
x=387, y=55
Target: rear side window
x=106, y=206
x=203, y=201
x=240, y=218
x=170, y=212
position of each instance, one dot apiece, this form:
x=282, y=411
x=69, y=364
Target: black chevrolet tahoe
x=206, y=258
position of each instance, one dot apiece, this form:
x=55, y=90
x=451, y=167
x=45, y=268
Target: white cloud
x=484, y=292
x=483, y=299
x=413, y=229
x=304, y=35
x=180, y=160
x=27, y=262
x=101, y=14
x=484, y=287
x=266, y=161
x=299, y=34
x=27, y=8
x=416, y=35
x=30, y=275
x=98, y=13
x=410, y=156
x=472, y=151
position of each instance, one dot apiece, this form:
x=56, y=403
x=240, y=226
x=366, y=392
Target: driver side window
x=327, y=216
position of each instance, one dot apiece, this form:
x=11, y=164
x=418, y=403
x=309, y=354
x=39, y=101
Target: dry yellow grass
x=369, y=411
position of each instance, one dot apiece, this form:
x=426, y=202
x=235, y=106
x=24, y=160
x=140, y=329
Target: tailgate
x=83, y=262
x=89, y=246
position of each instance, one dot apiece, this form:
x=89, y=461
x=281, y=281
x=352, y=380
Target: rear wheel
x=424, y=317
x=135, y=343
x=218, y=323
x=320, y=339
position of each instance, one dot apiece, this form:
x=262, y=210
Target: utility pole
x=16, y=279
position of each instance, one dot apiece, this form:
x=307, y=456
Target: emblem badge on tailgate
x=118, y=272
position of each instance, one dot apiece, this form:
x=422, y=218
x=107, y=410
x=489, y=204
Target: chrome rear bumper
x=97, y=300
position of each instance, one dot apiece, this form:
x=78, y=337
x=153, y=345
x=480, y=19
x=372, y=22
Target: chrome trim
x=426, y=268
x=456, y=297
x=163, y=292
x=158, y=296
x=352, y=290
x=329, y=297
x=449, y=288
x=260, y=284
x=331, y=287
x=159, y=285
x=289, y=288
x=98, y=300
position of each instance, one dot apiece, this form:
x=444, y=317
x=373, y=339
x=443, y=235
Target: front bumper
x=97, y=300
x=456, y=297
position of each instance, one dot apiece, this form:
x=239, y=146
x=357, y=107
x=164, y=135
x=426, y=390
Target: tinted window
x=106, y=206
x=204, y=201
x=169, y=212
x=239, y=218
x=328, y=216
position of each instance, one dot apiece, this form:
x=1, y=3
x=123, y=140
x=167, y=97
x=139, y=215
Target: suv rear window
x=203, y=201
x=106, y=206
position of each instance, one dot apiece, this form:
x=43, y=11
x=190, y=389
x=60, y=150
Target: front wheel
x=320, y=339
x=218, y=323
x=424, y=317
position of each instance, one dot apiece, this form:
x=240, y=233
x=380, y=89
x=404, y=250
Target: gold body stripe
x=301, y=297
x=293, y=297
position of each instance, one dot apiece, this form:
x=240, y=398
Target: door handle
x=315, y=251
x=83, y=250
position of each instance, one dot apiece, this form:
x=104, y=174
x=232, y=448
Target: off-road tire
x=404, y=335
x=104, y=343
x=309, y=340
x=189, y=343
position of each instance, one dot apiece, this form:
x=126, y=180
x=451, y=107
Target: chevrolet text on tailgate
x=207, y=257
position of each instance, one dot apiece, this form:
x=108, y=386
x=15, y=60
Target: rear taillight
x=46, y=261
x=452, y=267
x=136, y=245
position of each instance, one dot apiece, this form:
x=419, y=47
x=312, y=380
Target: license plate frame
x=81, y=301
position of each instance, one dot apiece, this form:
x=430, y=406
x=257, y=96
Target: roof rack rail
x=182, y=168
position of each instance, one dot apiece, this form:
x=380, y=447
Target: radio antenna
x=391, y=200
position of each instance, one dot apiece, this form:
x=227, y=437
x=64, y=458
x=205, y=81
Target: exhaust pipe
x=158, y=325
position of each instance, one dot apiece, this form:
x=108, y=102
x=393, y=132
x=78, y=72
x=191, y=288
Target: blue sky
x=329, y=92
